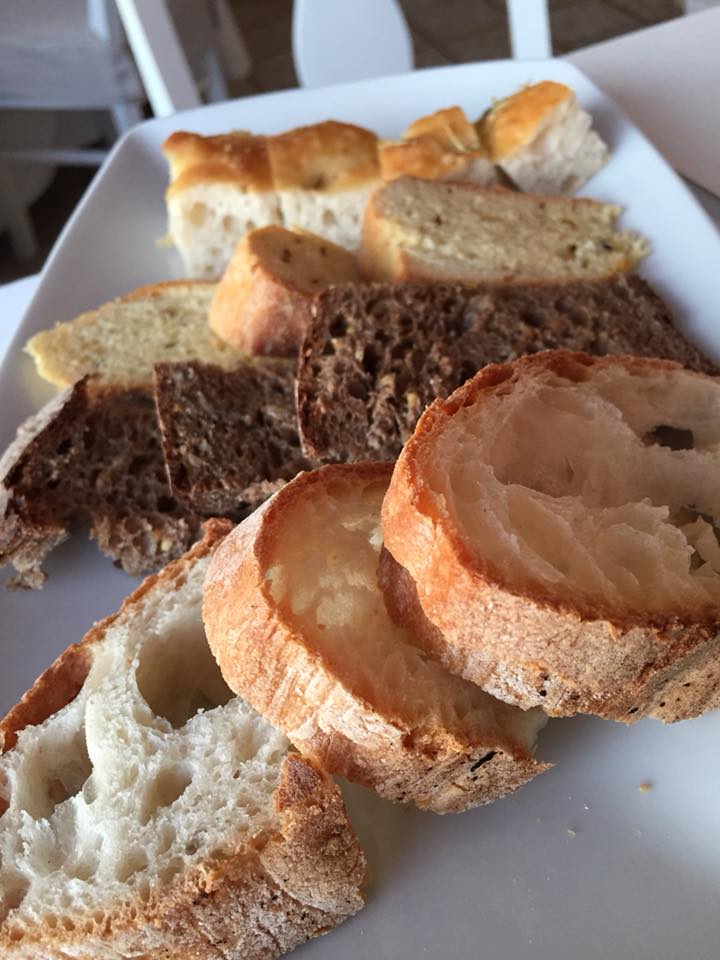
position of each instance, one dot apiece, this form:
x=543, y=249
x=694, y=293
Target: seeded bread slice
x=229, y=438
x=90, y=457
x=558, y=517
x=436, y=231
x=297, y=623
x=119, y=342
x=146, y=812
x=262, y=304
x=377, y=355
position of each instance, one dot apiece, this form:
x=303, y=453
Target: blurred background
x=56, y=55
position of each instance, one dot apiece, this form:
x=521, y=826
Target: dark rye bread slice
x=230, y=438
x=376, y=355
x=90, y=457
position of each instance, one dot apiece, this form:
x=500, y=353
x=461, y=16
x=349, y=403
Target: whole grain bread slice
x=557, y=518
x=148, y=812
x=229, y=438
x=377, y=355
x=90, y=456
x=297, y=623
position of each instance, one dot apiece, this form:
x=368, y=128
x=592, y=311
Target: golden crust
x=240, y=158
x=513, y=122
x=263, y=303
x=448, y=127
x=297, y=880
x=297, y=688
x=327, y=156
x=529, y=647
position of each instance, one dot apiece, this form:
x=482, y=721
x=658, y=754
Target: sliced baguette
x=220, y=187
x=229, y=437
x=441, y=146
x=376, y=355
x=149, y=813
x=542, y=139
x=557, y=518
x=262, y=304
x=90, y=457
x=296, y=620
x=434, y=231
x=119, y=342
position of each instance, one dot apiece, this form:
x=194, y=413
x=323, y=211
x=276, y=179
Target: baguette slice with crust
x=149, y=813
x=543, y=139
x=434, y=231
x=120, y=341
x=262, y=304
x=296, y=620
x=220, y=187
x=441, y=146
x=557, y=517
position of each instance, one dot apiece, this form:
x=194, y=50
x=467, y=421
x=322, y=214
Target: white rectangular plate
x=579, y=865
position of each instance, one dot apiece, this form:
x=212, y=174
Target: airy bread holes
x=64, y=774
x=177, y=675
x=675, y=438
x=167, y=787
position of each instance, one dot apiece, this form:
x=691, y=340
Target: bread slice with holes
x=120, y=341
x=220, y=187
x=148, y=812
x=262, y=304
x=376, y=355
x=557, y=518
x=441, y=146
x=542, y=139
x=434, y=231
x=296, y=620
x=90, y=457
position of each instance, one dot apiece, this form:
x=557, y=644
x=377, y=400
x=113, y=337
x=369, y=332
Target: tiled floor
x=444, y=31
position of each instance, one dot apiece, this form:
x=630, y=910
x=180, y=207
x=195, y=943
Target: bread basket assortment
x=412, y=459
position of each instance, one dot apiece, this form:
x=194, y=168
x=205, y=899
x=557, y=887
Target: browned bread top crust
x=377, y=355
x=229, y=438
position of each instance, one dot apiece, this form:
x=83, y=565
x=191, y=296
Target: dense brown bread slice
x=377, y=355
x=296, y=620
x=557, y=518
x=230, y=438
x=90, y=456
x=146, y=812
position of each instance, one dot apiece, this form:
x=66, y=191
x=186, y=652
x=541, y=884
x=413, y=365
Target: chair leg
x=15, y=217
x=529, y=23
x=230, y=43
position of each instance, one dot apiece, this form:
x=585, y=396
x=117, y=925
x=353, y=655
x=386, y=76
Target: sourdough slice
x=90, y=457
x=148, y=812
x=323, y=175
x=435, y=231
x=220, y=187
x=262, y=304
x=543, y=140
x=296, y=620
x=441, y=146
x=229, y=438
x=377, y=355
x=120, y=341
x=558, y=518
